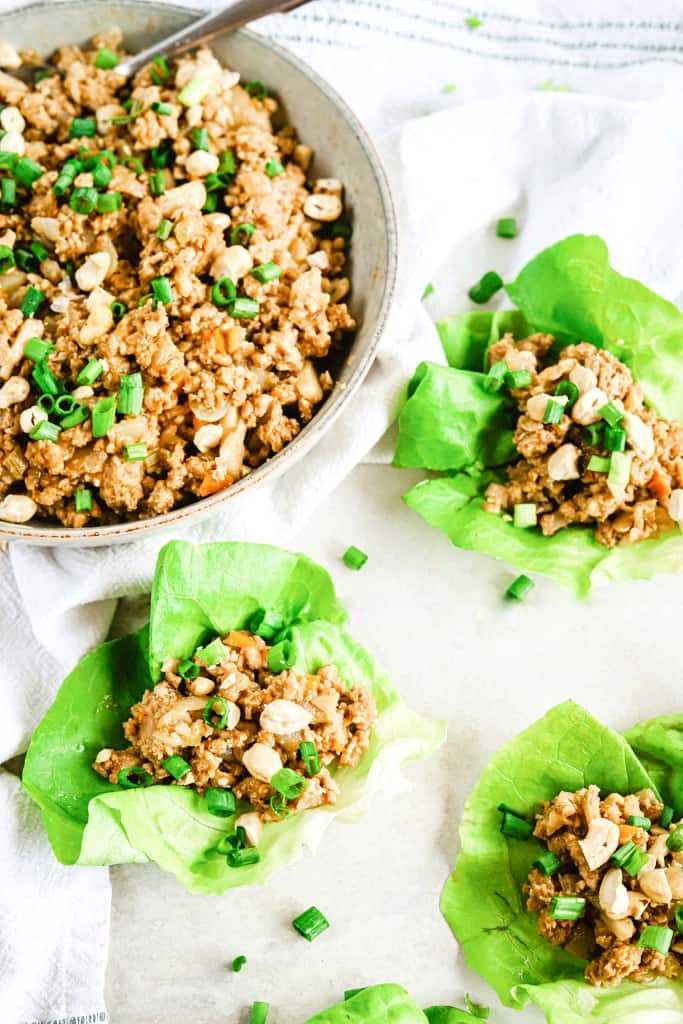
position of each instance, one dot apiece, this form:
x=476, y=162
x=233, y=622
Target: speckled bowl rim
x=340, y=397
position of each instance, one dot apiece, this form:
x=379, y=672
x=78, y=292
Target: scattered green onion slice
x=165, y=229
x=615, y=439
x=39, y=251
x=65, y=405
x=309, y=755
x=134, y=162
x=473, y=21
x=495, y=377
x=567, y=389
x=211, y=204
x=27, y=172
x=79, y=415
x=621, y=855
x=133, y=108
x=8, y=192
x=157, y=183
x=45, y=378
x=134, y=778
x=212, y=654
x=506, y=227
x=566, y=908
x=243, y=858
x=200, y=137
x=220, y=802
x=25, y=260
x=83, y=500
x=290, y=784
x=242, y=233
x=33, y=297
x=519, y=588
x=45, y=431
x=656, y=937
x=7, y=260
x=135, y=452
x=83, y=127
x=354, y=558
x=340, y=229
x=238, y=963
x=8, y=161
x=281, y=657
x=429, y=290
x=525, y=515
x=266, y=272
x=162, y=109
x=259, y=1013
x=265, y=623
x=130, y=401
x=223, y=292
x=675, y=839
x=195, y=91
x=90, y=372
x=311, y=923
x=46, y=403
x=37, y=349
x=244, y=308
x=554, y=412
x=161, y=290
x=104, y=416
x=83, y=200
x=273, y=168
x=593, y=434
x=108, y=202
x=619, y=469
x=278, y=805
x=256, y=89
x=599, y=464
x=227, y=163
x=486, y=287
x=176, y=766
x=639, y=821
x=610, y=414
x=106, y=59
x=667, y=816
x=515, y=827
x=101, y=176
x=216, y=713
x=118, y=309
x=159, y=71
x=548, y=863
x=518, y=379
x=678, y=918
x=188, y=669
x=635, y=862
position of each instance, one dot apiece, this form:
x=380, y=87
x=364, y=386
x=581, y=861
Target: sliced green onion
x=354, y=558
x=211, y=204
x=593, y=434
x=39, y=251
x=506, y=227
x=619, y=470
x=7, y=260
x=25, y=260
x=599, y=464
x=635, y=862
x=495, y=377
x=106, y=59
x=45, y=378
x=610, y=414
x=131, y=381
x=525, y=515
x=566, y=908
x=8, y=161
x=65, y=405
x=109, y=201
x=217, y=719
x=667, y=816
x=227, y=163
x=259, y=1013
x=238, y=963
x=9, y=191
x=548, y=863
x=290, y=784
x=46, y=403
x=134, y=162
x=265, y=623
x=83, y=127
x=33, y=297
x=157, y=183
x=553, y=412
x=678, y=918
x=241, y=234
x=130, y=401
x=223, y=292
x=176, y=766
x=90, y=372
x=83, y=200
x=638, y=821
x=340, y=229
x=200, y=137
x=214, y=182
x=519, y=588
x=162, y=109
x=309, y=755
x=281, y=657
x=429, y=290
x=188, y=669
x=486, y=287
x=615, y=439
x=195, y=91
x=45, y=431
x=273, y=168
x=79, y=415
x=220, y=802
x=159, y=71
x=278, y=805
x=83, y=500
x=212, y=654
x=160, y=156
x=135, y=452
x=244, y=308
x=134, y=108
x=256, y=89
x=243, y=858
x=675, y=839
x=656, y=937
x=134, y=778
x=37, y=349
x=620, y=856
x=515, y=827
x=164, y=230
x=311, y=924
x=62, y=185
x=472, y=21
x=518, y=379
x=266, y=272
x=104, y=416
x=101, y=176
x=118, y=309
x=27, y=172
x=161, y=290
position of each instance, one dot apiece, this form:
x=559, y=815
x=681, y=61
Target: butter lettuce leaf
x=91, y=821
x=389, y=1004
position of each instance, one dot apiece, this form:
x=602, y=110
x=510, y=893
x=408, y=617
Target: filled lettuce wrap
x=234, y=630
x=389, y=1004
x=566, y=463
x=564, y=766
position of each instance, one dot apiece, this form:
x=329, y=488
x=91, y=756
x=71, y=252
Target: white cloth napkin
x=502, y=142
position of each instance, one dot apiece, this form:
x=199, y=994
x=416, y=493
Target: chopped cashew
x=655, y=885
x=201, y=686
x=11, y=120
x=637, y=904
x=622, y=927
x=563, y=464
x=586, y=408
x=15, y=389
x=329, y=187
x=208, y=436
x=9, y=56
x=537, y=404
x=600, y=843
x=308, y=383
x=13, y=142
x=191, y=195
x=261, y=761
x=639, y=435
x=252, y=825
x=234, y=262
x=584, y=378
x=323, y=207
x=31, y=416
x=675, y=505
x=200, y=163
x=283, y=717
x=17, y=508
x=613, y=895
x=93, y=271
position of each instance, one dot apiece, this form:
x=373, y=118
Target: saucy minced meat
x=175, y=278
x=630, y=922
x=590, y=451
x=236, y=724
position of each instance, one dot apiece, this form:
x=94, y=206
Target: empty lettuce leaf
x=483, y=900
x=198, y=592
x=389, y=1004
x=450, y=424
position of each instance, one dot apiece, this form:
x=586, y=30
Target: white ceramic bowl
x=343, y=150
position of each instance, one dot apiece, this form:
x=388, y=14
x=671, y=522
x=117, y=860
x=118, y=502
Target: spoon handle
x=232, y=16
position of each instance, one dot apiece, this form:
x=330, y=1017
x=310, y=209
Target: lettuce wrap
x=389, y=1004
x=450, y=424
x=200, y=591
x=483, y=901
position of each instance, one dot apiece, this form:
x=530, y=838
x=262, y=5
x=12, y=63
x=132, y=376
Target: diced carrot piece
x=659, y=486
x=631, y=833
x=239, y=639
x=211, y=486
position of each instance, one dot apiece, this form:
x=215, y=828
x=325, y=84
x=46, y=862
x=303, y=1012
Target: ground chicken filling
x=623, y=858
x=171, y=287
x=590, y=451
x=236, y=724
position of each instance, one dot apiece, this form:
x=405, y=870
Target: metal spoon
x=233, y=16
